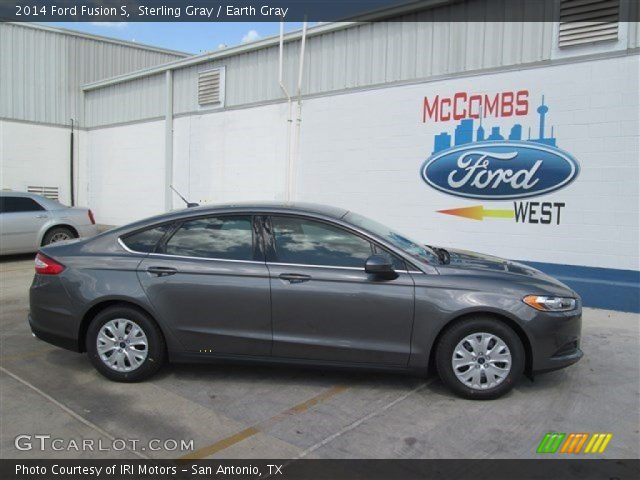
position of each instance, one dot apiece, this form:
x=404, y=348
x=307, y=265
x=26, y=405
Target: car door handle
x=162, y=271
x=295, y=277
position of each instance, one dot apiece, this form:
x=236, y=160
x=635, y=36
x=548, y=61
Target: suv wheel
x=58, y=234
x=480, y=358
x=125, y=345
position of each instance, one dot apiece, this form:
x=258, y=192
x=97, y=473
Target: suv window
x=146, y=240
x=19, y=204
x=309, y=242
x=225, y=237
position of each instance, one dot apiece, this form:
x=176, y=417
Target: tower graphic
x=542, y=111
x=464, y=133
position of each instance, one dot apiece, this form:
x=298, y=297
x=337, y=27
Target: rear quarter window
x=145, y=241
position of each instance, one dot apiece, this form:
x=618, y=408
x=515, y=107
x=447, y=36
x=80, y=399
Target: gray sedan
x=303, y=284
x=29, y=221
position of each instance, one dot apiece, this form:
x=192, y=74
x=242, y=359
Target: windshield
x=413, y=248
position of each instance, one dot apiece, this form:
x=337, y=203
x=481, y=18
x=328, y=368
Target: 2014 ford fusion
x=304, y=284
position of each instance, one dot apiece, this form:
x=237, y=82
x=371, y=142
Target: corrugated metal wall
x=372, y=54
x=41, y=71
x=418, y=46
x=634, y=27
x=126, y=102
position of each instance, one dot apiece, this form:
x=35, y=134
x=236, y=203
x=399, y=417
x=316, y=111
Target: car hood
x=465, y=261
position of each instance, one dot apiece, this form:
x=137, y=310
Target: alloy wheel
x=481, y=361
x=122, y=345
x=60, y=237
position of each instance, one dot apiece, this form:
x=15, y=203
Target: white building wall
x=364, y=151
x=125, y=172
x=238, y=155
x=24, y=146
x=235, y=156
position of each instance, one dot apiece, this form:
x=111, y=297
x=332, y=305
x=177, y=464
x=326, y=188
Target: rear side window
x=225, y=237
x=146, y=240
x=19, y=204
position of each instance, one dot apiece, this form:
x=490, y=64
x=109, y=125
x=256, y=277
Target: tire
x=135, y=362
x=58, y=234
x=493, y=379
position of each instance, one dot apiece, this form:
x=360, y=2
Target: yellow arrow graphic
x=478, y=212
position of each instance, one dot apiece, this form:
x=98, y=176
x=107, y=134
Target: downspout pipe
x=71, y=172
x=168, y=143
x=289, y=115
x=296, y=152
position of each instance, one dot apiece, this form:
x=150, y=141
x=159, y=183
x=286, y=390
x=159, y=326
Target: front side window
x=146, y=240
x=19, y=204
x=398, y=263
x=225, y=237
x=309, y=242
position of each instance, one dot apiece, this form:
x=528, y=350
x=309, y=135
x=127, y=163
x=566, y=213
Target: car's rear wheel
x=480, y=358
x=124, y=344
x=58, y=234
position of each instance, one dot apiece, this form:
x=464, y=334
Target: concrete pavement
x=222, y=411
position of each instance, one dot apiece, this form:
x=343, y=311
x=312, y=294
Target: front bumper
x=555, y=340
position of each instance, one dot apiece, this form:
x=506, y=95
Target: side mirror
x=380, y=265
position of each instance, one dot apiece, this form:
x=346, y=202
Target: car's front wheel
x=124, y=344
x=480, y=358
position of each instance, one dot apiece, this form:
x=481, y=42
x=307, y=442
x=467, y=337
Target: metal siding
x=41, y=71
x=634, y=27
x=423, y=46
x=126, y=102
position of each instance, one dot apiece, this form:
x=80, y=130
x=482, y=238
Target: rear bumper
x=555, y=340
x=51, y=316
x=54, y=338
x=85, y=231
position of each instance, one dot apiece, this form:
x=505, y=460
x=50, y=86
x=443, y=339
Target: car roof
x=312, y=209
x=296, y=207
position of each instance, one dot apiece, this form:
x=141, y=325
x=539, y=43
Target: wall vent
x=210, y=87
x=588, y=21
x=47, y=192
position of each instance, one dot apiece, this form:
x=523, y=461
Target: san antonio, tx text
x=190, y=11
x=144, y=469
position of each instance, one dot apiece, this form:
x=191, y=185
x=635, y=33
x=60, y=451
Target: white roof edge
x=100, y=38
x=264, y=43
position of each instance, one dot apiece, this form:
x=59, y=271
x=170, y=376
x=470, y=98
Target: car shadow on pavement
x=288, y=374
x=17, y=258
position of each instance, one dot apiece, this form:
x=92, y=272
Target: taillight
x=92, y=218
x=47, y=266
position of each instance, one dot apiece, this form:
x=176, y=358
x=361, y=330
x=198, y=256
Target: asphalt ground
x=233, y=412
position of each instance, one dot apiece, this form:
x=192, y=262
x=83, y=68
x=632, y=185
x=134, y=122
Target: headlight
x=550, y=304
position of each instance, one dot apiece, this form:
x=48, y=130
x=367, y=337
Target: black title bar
x=289, y=10
x=543, y=468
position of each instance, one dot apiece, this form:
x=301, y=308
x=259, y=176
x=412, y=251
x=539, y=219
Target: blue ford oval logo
x=500, y=170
